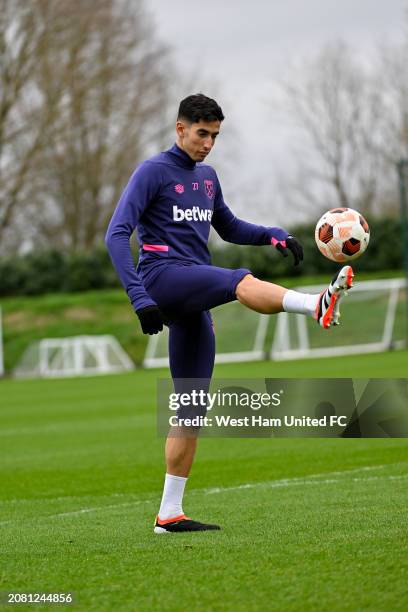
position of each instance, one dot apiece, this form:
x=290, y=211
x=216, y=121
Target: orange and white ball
x=342, y=234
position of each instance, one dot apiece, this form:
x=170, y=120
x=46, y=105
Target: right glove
x=293, y=245
x=151, y=319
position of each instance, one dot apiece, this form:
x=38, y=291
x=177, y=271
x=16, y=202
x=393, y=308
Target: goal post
x=240, y=336
x=373, y=320
x=73, y=356
x=402, y=169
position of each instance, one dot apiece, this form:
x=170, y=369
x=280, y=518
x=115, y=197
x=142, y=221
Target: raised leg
x=260, y=296
x=268, y=298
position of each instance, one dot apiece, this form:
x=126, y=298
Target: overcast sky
x=238, y=50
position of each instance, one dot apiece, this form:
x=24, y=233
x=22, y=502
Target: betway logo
x=192, y=214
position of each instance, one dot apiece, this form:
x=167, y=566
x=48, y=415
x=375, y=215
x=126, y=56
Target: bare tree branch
x=84, y=94
x=337, y=104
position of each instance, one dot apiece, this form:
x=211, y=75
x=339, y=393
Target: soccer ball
x=342, y=234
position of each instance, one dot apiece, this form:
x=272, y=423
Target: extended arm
x=233, y=229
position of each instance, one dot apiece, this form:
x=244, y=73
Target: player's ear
x=180, y=128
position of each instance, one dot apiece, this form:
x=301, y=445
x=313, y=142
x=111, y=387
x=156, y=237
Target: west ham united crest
x=209, y=188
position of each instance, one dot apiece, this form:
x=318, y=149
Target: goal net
x=74, y=356
x=240, y=336
x=373, y=319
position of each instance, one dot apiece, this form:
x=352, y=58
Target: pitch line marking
x=313, y=479
x=301, y=482
x=298, y=479
x=17, y=500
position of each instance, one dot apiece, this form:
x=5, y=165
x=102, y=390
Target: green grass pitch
x=308, y=524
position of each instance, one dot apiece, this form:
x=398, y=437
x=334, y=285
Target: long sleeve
x=232, y=229
x=139, y=192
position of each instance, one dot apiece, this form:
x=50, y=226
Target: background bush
x=56, y=271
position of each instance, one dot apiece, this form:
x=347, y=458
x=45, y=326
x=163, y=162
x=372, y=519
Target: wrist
x=278, y=235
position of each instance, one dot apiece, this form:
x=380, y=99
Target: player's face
x=197, y=139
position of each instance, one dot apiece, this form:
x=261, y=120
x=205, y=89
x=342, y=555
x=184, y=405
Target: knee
x=245, y=287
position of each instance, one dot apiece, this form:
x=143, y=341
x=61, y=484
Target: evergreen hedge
x=54, y=271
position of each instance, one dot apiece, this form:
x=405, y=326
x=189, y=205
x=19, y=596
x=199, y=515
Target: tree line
x=57, y=270
x=87, y=91
x=84, y=93
x=349, y=118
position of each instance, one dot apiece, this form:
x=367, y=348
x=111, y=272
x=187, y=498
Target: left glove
x=151, y=319
x=293, y=245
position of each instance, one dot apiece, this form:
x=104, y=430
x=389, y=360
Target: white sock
x=301, y=303
x=171, y=503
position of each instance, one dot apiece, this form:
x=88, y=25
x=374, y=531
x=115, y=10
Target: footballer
x=173, y=199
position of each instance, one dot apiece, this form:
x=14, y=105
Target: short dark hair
x=198, y=107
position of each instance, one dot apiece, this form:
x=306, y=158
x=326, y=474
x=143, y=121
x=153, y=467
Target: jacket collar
x=181, y=158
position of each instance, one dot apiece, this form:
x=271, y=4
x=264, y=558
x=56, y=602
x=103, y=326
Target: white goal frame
x=60, y=357
x=281, y=350
x=256, y=354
